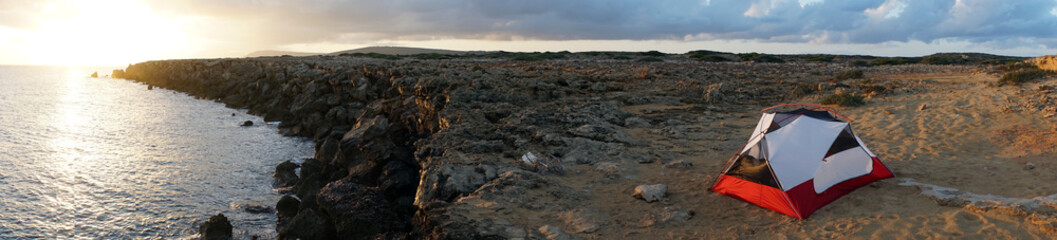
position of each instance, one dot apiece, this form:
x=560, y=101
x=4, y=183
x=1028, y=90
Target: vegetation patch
x=894, y=61
x=653, y=53
x=707, y=56
x=372, y=55
x=874, y=89
x=1016, y=66
x=1021, y=76
x=434, y=56
x=649, y=59
x=850, y=74
x=858, y=63
x=844, y=99
x=538, y=56
x=760, y=58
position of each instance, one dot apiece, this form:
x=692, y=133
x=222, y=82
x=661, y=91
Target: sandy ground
x=969, y=136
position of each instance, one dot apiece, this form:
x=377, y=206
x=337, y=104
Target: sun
x=104, y=32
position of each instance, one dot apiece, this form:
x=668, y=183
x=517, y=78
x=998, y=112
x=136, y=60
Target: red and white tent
x=798, y=161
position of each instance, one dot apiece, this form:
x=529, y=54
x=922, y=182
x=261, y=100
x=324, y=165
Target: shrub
x=526, y=57
x=433, y=56
x=1021, y=76
x=653, y=53
x=858, y=63
x=850, y=74
x=875, y=89
x=1016, y=66
x=621, y=57
x=803, y=89
x=894, y=61
x=821, y=58
x=649, y=59
x=707, y=56
x=759, y=57
x=844, y=99
x=943, y=60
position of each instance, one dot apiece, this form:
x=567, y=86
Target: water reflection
x=105, y=158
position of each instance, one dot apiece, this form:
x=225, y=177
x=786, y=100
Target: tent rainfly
x=798, y=161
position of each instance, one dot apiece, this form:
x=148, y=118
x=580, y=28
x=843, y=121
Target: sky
x=117, y=32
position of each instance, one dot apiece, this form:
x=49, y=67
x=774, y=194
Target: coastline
x=433, y=149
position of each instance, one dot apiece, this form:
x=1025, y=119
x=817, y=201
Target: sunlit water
x=108, y=159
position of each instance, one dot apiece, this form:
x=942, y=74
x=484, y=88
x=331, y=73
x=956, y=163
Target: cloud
x=276, y=22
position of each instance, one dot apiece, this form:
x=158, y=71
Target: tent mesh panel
x=754, y=170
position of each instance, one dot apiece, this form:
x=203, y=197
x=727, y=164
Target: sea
x=103, y=158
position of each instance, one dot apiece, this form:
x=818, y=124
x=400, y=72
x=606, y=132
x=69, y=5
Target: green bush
x=621, y=57
x=821, y=58
x=759, y=57
x=844, y=99
x=858, y=63
x=526, y=57
x=649, y=59
x=943, y=60
x=850, y=74
x=653, y=53
x=433, y=56
x=1021, y=76
x=894, y=61
x=1016, y=66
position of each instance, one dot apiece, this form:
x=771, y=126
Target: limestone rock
x=554, y=233
x=308, y=225
x=446, y=182
x=636, y=122
x=216, y=228
x=651, y=193
x=286, y=209
x=285, y=174
x=581, y=220
x=357, y=211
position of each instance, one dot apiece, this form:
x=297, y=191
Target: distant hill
x=271, y=53
x=378, y=50
x=653, y=56
x=399, y=51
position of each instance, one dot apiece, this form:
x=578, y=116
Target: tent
x=798, y=161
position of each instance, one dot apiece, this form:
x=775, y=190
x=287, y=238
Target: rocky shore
x=497, y=149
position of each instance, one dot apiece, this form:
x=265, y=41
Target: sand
x=984, y=141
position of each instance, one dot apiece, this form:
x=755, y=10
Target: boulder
x=247, y=124
x=285, y=174
x=308, y=225
x=446, y=182
x=118, y=73
x=328, y=151
x=216, y=228
x=366, y=148
x=254, y=208
x=286, y=209
x=398, y=179
x=357, y=211
x=651, y=193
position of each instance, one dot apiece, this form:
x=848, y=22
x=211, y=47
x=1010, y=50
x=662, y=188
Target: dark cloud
x=872, y=21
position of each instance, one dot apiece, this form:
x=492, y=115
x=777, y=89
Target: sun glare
x=105, y=32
